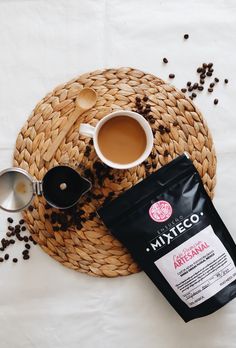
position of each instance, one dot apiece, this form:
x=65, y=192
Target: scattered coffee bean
x=165, y=60
x=194, y=95
x=26, y=257
x=190, y=89
x=31, y=238
x=10, y=220
x=199, y=70
x=15, y=260
x=25, y=252
x=200, y=88
x=202, y=82
x=175, y=123
x=23, y=228
x=186, y=36
x=6, y=257
x=216, y=101
x=171, y=76
x=138, y=99
x=1, y=259
x=10, y=228
x=12, y=241
x=188, y=83
x=204, y=65
x=27, y=246
x=31, y=208
x=91, y=142
x=210, y=65
x=8, y=234
x=216, y=79
x=212, y=84
x=26, y=239
x=226, y=81
x=145, y=98
x=195, y=86
x=184, y=90
x=202, y=76
x=22, y=221
x=210, y=90
x=209, y=73
x=191, y=97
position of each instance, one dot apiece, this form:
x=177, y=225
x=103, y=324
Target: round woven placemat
x=92, y=249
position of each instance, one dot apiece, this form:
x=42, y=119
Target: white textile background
x=46, y=42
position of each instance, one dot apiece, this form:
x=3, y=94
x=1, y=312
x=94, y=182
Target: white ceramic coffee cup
x=90, y=131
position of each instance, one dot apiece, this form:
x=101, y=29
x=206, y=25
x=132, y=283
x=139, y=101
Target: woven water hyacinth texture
x=91, y=248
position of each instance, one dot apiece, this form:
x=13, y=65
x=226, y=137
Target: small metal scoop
x=61, y=186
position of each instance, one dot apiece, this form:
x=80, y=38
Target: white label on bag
x=198, y=268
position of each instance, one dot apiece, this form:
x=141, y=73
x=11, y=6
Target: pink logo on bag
x=160, y=211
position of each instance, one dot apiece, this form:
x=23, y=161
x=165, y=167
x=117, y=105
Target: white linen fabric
x=46, y=42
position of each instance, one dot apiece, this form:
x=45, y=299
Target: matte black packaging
x=171, y=228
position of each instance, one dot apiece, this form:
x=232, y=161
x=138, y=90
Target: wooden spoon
x=86, y=100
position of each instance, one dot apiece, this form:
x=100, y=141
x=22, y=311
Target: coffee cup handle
x=87, y=130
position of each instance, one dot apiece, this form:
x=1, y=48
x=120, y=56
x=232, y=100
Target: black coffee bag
x=171, y=228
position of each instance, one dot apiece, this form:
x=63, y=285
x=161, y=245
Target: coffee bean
x=153, y=155
x=26, y=239
x=15, y=260
x=210, y=90
x=188, y=83
x=23, y=228
x=175, y=123
x=8, y=234
x=167, y=130
x=91, y=142
x=27, y=246
x=226, y=81
x=200, y=88
x=216, y=79
x=195, y=86
x=190, y=89
x=184, y=90
x=138, y=99
x=212, y=84
x=10, y=228
x=204, y=65
x=10, y=220
x=161, y=127
x=165, y=60
x=202, y=82
x=191, y=97
x=216, y=101
x=6, y=257
x=194, y=95
x=145, y=98
x=25, y=252
x=199, y=70
x=171, y=76
x=22, y=221
x=209, y=73
x=210, y=65
x=12, y=241
x=186, y=36
x=31, y=208
x=17, y=227
x=211, y=70
x=1, y=248
x=26, y=257
x=1, y=259
x=31, y=238
x=166, y=153
x=202, y=76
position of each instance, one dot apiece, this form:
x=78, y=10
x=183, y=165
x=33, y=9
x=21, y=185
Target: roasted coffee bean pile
x=143, y=108
x=15, y=233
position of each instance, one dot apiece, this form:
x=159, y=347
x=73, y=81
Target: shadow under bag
x=173, y=231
